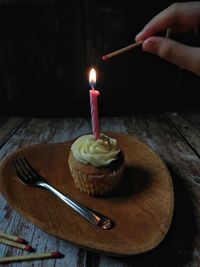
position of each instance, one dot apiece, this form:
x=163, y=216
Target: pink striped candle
x=94, y=105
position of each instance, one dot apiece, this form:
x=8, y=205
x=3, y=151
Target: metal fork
x=28, y=175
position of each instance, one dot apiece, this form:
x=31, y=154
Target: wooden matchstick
x=15, y=244
x=12, y=238
x=122, y=50
x=39, y=256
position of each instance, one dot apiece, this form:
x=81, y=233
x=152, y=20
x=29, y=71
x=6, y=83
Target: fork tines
x=23, y=169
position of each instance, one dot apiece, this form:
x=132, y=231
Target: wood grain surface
x=141, y=207
x=173, y=136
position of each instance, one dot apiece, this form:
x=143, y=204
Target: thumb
x=184, y=56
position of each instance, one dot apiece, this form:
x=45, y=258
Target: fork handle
x=94, y=217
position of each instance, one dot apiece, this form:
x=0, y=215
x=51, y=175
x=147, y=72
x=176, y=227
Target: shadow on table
x=135, y=180
x=183, y=236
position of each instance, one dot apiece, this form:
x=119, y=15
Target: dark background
x=47, y=48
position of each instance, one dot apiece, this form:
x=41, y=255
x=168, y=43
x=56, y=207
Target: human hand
x=177, y=18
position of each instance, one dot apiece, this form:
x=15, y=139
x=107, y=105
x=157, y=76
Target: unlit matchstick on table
x=15, y=244
x=122, y=50
x=38, y=256
x=12, y=238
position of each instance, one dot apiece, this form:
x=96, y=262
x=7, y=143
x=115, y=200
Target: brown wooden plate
x=141, y=207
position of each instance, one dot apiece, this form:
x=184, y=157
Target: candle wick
x=92, y=85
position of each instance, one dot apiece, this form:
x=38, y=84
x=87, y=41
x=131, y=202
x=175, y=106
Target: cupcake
x=96, y=165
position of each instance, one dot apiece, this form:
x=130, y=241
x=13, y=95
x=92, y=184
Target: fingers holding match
x=184, y=56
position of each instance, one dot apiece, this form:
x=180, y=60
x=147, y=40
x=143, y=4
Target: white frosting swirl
x=98, y=153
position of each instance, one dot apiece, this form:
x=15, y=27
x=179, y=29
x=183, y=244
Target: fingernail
x=137, y=37
x=149, y=46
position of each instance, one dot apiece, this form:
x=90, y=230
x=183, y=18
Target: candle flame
x=92, y=77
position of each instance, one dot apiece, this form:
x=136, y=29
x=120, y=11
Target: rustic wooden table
x=174, y=136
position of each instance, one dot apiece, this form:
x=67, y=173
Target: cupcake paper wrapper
x=97, y=185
